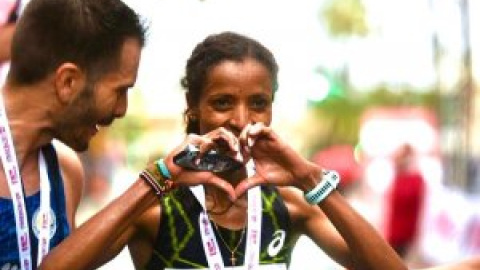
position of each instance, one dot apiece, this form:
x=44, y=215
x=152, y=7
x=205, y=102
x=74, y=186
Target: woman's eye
x=260, y=103
x=221, y=104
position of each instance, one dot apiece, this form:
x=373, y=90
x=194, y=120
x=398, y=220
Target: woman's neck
x=221, y=209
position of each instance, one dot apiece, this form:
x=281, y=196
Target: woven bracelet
x=145, y=175
x=157, y=181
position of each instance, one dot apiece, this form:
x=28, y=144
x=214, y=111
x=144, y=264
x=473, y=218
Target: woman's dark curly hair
x=212, y=51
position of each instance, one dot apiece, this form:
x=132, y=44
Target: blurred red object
x=342, y=159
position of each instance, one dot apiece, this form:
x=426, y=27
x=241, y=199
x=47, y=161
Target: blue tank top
x=9, y=257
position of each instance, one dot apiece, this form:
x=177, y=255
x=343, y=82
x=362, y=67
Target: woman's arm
x=367, y=248
x=286, y=167
x=310, y=220
x=467, y=264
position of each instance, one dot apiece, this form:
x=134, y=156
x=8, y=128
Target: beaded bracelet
x=329, y=182
x=158, y=179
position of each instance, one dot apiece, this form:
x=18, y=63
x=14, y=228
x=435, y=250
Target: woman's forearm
x=369, y=249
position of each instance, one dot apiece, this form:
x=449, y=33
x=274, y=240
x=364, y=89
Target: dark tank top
x=9, y=257
x=179, y=243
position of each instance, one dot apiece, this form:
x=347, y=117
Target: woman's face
x=235, y=94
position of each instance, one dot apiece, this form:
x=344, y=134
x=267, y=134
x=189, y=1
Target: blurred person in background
x=9, y=12
x=72, y=63
x=250, y=215
x=404, y=202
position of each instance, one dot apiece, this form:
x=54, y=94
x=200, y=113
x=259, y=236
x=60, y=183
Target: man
x=72, y=63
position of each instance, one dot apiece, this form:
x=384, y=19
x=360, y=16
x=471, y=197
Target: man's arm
x=105, y=234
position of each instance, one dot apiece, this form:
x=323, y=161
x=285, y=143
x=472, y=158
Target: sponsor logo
x=211, y=247
x=6, y=147
x=277, y=243
x=24, y=244
x=21, y=216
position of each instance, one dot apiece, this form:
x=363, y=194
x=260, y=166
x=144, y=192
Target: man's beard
x=80, y=115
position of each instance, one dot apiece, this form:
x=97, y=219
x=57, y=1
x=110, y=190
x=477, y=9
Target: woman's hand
x=276, y=162
x=217, y=139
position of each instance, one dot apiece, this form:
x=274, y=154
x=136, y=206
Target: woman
x=251, y=216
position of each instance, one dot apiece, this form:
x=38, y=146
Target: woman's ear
x=69, y=81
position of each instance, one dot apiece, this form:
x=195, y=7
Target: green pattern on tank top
x=179, y=245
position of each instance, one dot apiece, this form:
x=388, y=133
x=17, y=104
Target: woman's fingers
x=223, y=185
x=247, y=184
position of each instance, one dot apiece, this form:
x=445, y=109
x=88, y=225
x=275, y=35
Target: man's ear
x=69, y=80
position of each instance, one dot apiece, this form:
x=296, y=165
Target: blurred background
x=359, y=81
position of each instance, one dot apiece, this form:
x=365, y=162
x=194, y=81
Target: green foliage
x=345, y=18
x=342, y=114
x=129, y=128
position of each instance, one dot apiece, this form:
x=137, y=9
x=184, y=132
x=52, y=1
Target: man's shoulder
x=69, y=161
x=64, y=152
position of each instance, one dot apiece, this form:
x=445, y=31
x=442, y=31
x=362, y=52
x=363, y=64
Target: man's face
x=99, y=103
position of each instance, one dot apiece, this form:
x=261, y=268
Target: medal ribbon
x=12, y=174
x=254, y=221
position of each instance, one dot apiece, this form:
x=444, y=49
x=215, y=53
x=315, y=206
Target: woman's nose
x=240, y=118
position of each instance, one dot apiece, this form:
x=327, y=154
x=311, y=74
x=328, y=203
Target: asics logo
x=277, y=243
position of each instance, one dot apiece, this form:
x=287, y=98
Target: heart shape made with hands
x=217, y=161
x=227, y=153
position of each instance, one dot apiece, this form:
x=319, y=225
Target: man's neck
x=27, y=115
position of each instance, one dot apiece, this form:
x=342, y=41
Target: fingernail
x=250, y=142
x=239, y=157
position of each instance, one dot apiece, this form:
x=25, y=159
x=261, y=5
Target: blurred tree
x=345, y=18
x=341, y=114
x=340, y=110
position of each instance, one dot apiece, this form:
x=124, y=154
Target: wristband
x=329, y=182
x=163, y=169
x=145, y=175
x=156, y=177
